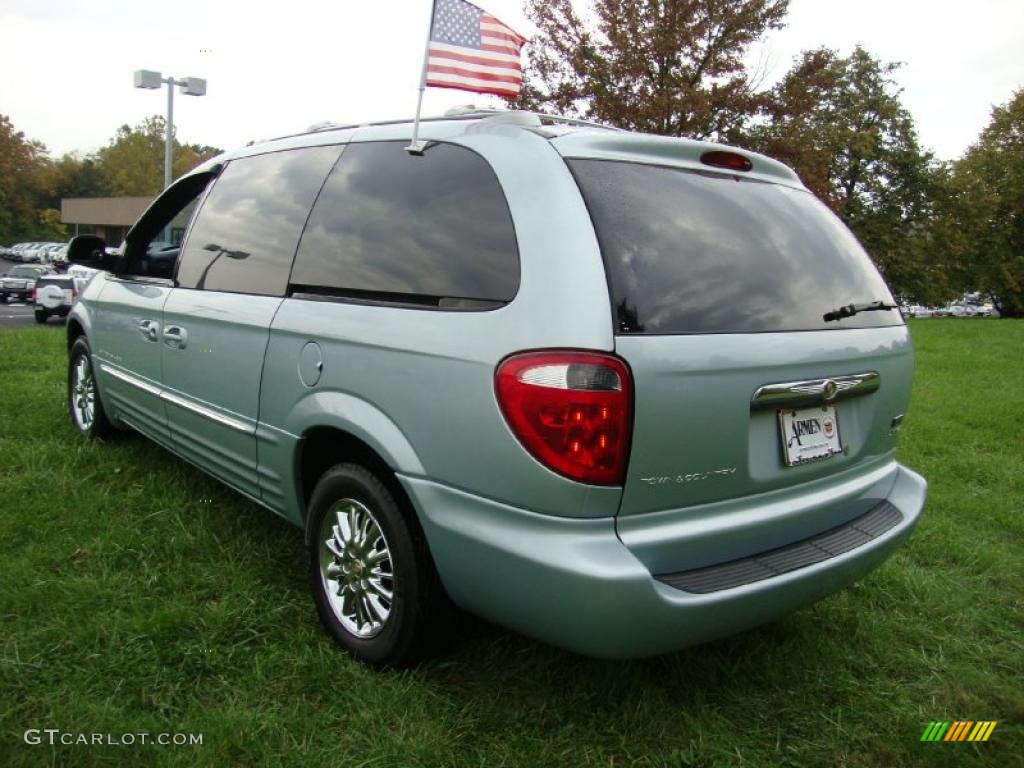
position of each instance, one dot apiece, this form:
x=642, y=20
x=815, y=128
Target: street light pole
x=169, y=138
x=190, y=86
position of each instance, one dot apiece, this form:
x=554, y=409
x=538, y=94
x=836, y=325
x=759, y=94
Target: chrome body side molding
x=181, y=402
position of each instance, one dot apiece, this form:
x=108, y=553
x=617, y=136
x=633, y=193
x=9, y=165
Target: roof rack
x=524, y=118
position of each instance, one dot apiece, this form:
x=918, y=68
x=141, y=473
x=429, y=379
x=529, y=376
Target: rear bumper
x=574, y=584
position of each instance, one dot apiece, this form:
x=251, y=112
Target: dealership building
x=111, y=217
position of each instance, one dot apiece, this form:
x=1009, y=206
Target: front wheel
x=84, y=405
x=371, y=575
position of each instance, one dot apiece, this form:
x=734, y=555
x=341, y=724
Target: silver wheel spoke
x=336, y=549
x=370, y=610
x=377, y=556
x=380, y=590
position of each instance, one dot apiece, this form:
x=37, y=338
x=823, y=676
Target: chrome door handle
x=175, y=336
x=149, y=329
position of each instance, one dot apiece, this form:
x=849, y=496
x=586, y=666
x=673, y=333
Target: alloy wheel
x=356, y=568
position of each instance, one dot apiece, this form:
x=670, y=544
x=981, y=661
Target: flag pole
x=416, y=147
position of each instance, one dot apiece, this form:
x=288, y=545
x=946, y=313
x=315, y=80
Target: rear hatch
x=744, y=391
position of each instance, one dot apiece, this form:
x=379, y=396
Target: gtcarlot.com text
x=55, y=736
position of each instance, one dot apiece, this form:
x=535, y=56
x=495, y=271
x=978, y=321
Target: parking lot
x=19, y=314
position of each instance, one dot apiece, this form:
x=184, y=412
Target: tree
x=673, y=67
x=22, y=164
x=839, y=122
x=987, y=208
x=133, y=161
x=75, y=176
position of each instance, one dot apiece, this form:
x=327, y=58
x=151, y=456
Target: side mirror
x=91, y=251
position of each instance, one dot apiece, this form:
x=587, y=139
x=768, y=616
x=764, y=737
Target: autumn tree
x=986, y=209
x=133, y=161
x=22, y=165
x=840, y=123
x=673, y=67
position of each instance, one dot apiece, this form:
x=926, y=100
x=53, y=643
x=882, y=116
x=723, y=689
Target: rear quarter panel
x=420, y=381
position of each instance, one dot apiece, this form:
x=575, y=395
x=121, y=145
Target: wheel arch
x=74, y=330
x=324, y=446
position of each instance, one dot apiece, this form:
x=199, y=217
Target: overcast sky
x=275, y=68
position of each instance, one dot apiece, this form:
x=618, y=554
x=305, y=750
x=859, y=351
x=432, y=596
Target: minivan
x=619, y=392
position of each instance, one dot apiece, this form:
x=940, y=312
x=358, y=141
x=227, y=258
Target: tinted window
x=690, y=252
x=393, y=224
x=244, y=237
x=147, y=252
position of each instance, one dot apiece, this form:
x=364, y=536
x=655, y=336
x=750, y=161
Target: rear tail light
x=35, y=294
x=571, y=410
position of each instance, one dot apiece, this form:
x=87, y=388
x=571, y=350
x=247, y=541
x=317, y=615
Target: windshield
x=695, y=252
x=24, y=272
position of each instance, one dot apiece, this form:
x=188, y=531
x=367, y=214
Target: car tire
x=373, y=580
x=3, y=298
x=84, y=405
x=41, y=316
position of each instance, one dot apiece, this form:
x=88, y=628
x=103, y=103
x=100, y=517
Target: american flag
x=471, y=50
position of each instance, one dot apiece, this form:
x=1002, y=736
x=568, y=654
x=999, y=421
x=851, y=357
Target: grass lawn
x=138, y=595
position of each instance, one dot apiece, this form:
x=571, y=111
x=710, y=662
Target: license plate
x=809, y=434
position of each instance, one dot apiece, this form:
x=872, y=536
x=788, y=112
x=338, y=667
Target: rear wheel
x=42, y=315
x=371, y=575
x=84, y=405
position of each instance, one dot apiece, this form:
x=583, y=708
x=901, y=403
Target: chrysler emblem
x=828, y=390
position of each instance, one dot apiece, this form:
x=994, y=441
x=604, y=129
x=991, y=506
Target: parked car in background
x=667, y=413
x=17, y=284
x=54, y=252
x=918, y=310
x=30, y=253
x=80, y=276
x=17, y=251
x=53, y=296
x=958, y=310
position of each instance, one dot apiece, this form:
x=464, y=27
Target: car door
x=231, y=279
x=127, y=324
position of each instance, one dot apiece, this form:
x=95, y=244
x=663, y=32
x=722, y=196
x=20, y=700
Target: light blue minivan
x=620, y=392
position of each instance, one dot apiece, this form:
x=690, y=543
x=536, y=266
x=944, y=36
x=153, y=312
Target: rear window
x=694, y=252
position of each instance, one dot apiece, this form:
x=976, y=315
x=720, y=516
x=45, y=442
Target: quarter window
x=432, y=229
x=244, y=238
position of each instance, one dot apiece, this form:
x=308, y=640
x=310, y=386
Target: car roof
x=572, y=138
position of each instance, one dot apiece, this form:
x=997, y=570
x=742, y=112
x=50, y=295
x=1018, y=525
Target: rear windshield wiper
x=852, y=309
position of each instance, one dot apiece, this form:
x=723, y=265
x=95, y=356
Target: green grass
x=129, y=604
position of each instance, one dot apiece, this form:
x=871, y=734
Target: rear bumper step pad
x=775, y=562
